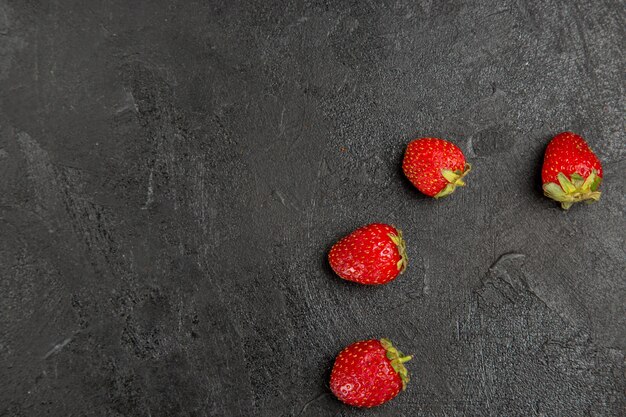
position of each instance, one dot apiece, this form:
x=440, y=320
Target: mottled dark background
x=174, y=172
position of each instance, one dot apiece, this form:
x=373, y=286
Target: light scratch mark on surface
x=150, y=194
x=58, y=347
x=129, y=103
x=426, y=281
x=304, y=408
x=281, y=125
x=281, y=197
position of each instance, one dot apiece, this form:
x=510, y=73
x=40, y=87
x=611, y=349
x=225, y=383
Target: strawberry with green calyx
x=435, y=166
x=571, y=172
x=369, y=373
x=374, y=254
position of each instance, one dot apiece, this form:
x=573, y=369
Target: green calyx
x=574, y=190
x=397, y=360
x=454, y=178
x=399, y=242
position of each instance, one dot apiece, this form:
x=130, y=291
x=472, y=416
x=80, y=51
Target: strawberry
x=373, y=254
x=435, y=166
x=571, y=171
x=369, y=373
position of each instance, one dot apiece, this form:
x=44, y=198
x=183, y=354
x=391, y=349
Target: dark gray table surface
x=173, y=174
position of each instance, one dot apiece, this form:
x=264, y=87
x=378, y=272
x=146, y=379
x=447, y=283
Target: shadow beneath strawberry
x=537, y=163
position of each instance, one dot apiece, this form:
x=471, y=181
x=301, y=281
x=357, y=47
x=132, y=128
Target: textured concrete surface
x=174, y=172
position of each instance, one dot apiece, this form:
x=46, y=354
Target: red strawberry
x=435, y=166
x=369, y=373
x=373, y=254
x=571, y=171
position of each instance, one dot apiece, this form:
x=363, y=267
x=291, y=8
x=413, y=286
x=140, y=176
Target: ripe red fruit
x=373, y=254
x=571, y=171
x=435, y=166
x=369, y=373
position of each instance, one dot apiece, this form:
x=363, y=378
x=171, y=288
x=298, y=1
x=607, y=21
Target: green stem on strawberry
x=570, y=191
x=454, y=178
x=399, y=242
x=397, y=359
